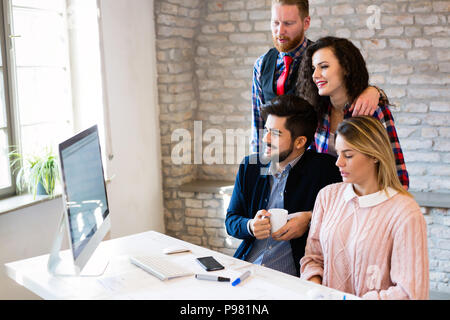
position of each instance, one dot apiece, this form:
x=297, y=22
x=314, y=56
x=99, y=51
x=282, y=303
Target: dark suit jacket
x=252, y=190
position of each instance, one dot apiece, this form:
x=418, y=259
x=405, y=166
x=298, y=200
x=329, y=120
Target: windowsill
x=424, y=199
x=26, y=200
x=432, y=199
x=209, y=186
x=22, y=201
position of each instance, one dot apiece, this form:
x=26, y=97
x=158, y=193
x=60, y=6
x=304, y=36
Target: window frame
x=11, y=111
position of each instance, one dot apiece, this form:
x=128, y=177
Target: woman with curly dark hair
x=333, y=74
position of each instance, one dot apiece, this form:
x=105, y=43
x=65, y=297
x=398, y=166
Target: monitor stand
x=64, y=266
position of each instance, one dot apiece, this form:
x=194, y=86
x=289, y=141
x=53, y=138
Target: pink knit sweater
x=374, y=246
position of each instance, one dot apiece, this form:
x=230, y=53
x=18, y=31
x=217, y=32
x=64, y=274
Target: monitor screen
x=84, y=187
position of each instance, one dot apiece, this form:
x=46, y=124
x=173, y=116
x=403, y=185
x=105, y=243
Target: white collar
x=369, y=200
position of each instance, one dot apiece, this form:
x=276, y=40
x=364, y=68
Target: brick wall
x=177, y=24
x=438, y=228
x=204, y=222
x=205, y=53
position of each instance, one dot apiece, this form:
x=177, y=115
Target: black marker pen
x=211, y=278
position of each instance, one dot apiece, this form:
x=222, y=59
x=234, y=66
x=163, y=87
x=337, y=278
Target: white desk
x=123, y=280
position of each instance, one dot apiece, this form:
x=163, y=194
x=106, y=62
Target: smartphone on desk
x=209, y=263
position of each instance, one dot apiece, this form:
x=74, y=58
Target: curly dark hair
x=356, y=76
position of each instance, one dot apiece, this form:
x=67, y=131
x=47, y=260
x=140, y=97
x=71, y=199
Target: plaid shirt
x=385, y=116
x=257, y=94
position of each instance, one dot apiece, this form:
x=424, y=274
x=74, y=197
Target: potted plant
x=38, y=173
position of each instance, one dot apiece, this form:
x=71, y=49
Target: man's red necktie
x=283, y=78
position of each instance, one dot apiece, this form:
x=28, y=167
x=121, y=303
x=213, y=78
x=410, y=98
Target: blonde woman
x=368, y=236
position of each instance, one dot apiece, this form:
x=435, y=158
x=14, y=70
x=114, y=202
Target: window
x=50, y=76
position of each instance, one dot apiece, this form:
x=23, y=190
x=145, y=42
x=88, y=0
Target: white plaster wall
x=130, y=76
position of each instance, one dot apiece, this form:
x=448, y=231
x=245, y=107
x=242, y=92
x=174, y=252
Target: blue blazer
x=252, y=190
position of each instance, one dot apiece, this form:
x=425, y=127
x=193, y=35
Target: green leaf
x=35, y=168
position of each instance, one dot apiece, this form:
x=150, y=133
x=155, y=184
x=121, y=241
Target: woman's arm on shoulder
x=367, y=102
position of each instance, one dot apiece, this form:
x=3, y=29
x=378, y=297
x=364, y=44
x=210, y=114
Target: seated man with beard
x=286, y=176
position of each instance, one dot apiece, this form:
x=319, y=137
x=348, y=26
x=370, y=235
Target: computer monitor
x=86, y=211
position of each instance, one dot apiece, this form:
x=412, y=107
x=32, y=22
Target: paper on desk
x=126, y=284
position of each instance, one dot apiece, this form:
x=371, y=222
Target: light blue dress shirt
x=268, y=252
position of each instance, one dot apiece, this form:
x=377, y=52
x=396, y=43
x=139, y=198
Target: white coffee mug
x=278, y=218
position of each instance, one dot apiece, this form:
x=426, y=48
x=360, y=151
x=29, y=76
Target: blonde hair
x=302, y=5
x=367, y=135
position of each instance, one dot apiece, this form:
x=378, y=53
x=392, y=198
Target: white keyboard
x=160, y=267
